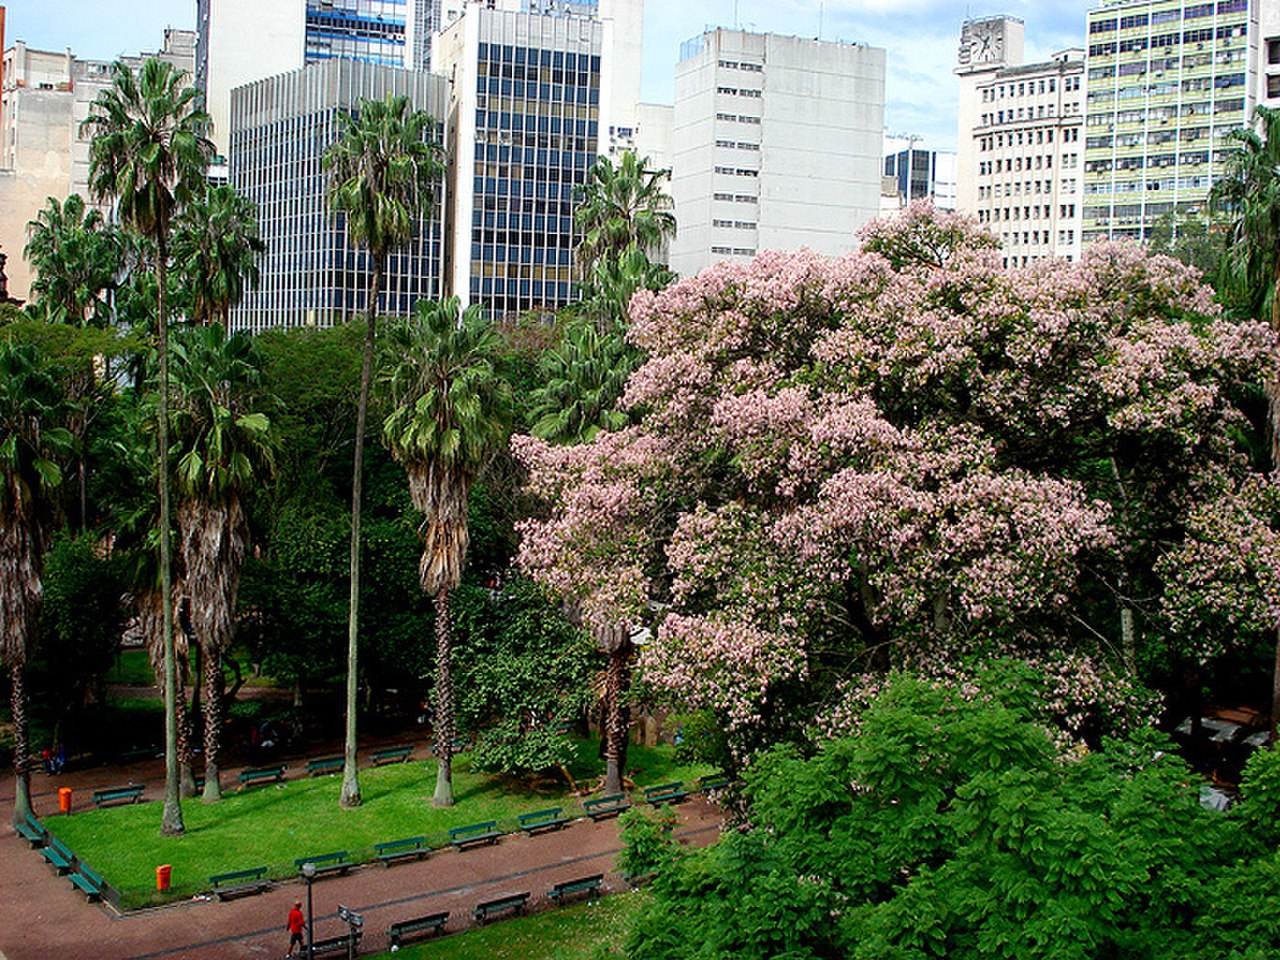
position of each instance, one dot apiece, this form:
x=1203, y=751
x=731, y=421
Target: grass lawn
x=595, y=930
x=132, y=668
x=275, y=824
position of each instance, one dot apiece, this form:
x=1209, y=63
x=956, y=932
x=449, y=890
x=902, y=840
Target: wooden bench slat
x=398, y=754
x=393, y=851
x=433, y=923
x=672, y=792
x=581, y=885
x=549, y=819
x=248, y=778
x=515, y=903
x=109, y=795
x=325, y=765
x=483, y=832
x=338, y=862
x=606, y=806
x=240, y=883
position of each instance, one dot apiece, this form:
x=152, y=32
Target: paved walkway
x=42, y=916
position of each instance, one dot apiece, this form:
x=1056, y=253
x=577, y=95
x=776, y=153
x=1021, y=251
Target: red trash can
x=64, y=799
x=164, y=873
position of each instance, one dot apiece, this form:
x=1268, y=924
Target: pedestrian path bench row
x=110, y=796
x=338, y=862
x=240, y=883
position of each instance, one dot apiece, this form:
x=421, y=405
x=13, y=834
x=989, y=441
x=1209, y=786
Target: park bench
x=714, y=781
x=672, y=792
x=393, y=851
x=548, y=819
x=88, y=881
x=58, y=855
x=344, y=945
x=605, y=806
x=433, y=923
x=457, y=747
x=32, y=830
x=513, y=904
x=483, y=832
x=398, y=754
x=326, y=863
x=325, y=765
x=240, y=883
x=249, y=778
x=114, y=795
x=570, y=888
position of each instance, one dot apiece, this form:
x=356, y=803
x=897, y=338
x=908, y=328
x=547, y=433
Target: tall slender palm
x=1249, y=193
x=451, y=411
x=382, y=175
x=31, y=441
x=223, y=451
x=622, y=206
x=216, y=246
x=148, y=155
x=76, y=257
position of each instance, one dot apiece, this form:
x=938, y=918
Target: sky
x=920, y=36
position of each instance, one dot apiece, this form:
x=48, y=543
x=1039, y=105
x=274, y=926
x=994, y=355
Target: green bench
x=240, y=883
x=249, y=778
x=58, y=855
x=398, y=754
x=32, y=830
x=549, y=819
x=513, y=904
x=433, y=923
x=672, y=792
x=561, y=891
x=714, y=781
x=606, y=806
x=114, y=795
x=325, y=765
x=393, y=851
x=89, y=882
x=344, y=945
x=483, y=832
x=327, y=863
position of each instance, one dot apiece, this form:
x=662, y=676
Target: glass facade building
x=311, y=273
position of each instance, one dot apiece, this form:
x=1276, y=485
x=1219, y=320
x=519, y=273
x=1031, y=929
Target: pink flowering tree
x=897, y=458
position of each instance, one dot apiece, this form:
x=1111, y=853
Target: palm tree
x=31, y=441
x=76, y=257
x=451, y=412
x=215, y=252
x=382, y=175
x=148, y=156
x=223, y=451
x=1249, y=193
x=582, y=380
x=622, y=206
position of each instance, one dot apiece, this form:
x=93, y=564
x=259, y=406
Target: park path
x=42, y=916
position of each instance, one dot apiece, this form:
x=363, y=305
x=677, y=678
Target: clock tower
x=986, y=47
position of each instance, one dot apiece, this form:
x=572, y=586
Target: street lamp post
x=309, y=873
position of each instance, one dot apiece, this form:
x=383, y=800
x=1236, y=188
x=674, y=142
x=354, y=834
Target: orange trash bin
x=164, y=874
x=64, y=799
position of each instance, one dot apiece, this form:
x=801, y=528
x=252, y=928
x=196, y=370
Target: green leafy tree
x=583, y=379
x=32, y=441
x=1249, y=194
x=451, y=412
x=951, y=826
x=216, y=247
x=148, y=155
x=622, y=206
x=76, y=257
x=382, y=176
x=224, y=451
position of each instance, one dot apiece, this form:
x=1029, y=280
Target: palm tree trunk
x=212, y=724
x=21, y=743
x=350, y=796
x=444, y=726
x=171, y=824
x=186, y=753
x=615, y=723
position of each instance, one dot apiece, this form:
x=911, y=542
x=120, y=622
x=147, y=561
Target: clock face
x=984, y=48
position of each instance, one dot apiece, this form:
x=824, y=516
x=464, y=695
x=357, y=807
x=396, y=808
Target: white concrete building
x=1020, y=150
x=777, y=145
x=919, y=173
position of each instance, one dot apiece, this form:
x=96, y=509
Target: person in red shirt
x=297, y=923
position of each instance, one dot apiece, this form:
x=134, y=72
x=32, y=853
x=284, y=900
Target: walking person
x=297, y=924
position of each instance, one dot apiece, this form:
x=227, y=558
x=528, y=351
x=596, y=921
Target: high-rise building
x=919, y=173
x=311, y=273
x=524, y=118
x=43, y=101
x=1167, y=81
x=1019, y=147
x=777, y=145
x=246, y=40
